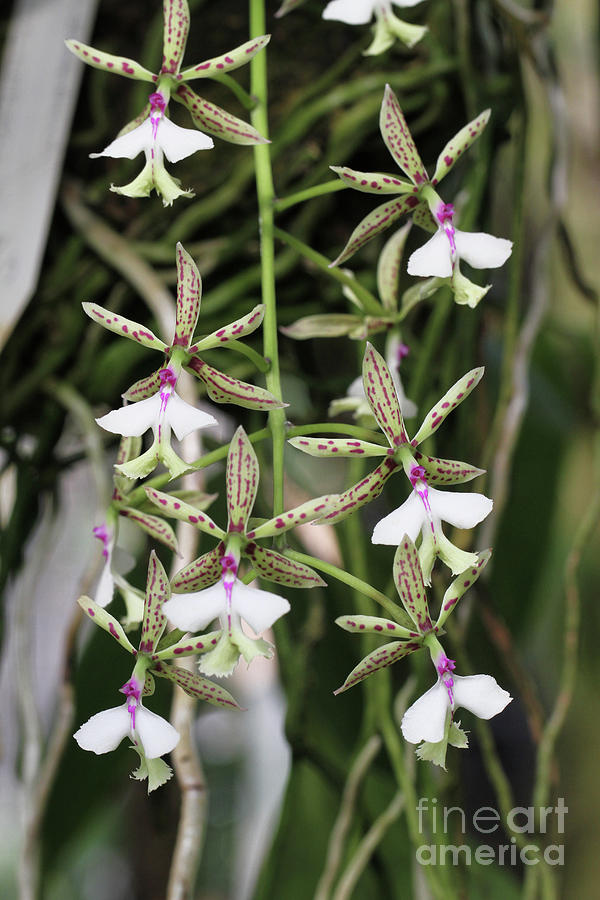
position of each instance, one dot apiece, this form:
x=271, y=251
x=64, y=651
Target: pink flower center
x=417, y=479
x=445, y=668
x=401, y=351
x=230, y=569
x=445, y=215
x=133, y=691
x=101, y=532
x=158, y=105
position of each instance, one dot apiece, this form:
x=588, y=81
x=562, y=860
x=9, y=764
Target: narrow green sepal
x=125, y=327
x=227, y=62
x=101, y=617
x=157, y=771
x=460, y=585
x=120, y=65
x=340, y=447
x=196, y=686
x=179, y=509
x=374, y=625
x=372, y=182
x=451, y=399
x=459, y=144
x=157, y=593
x=211, y=118
x=233, y=331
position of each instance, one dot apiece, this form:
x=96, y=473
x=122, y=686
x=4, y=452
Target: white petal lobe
x=258, y=608
x=134, y=419
x=156, y=734
x=407, y=519
x=352, y=12
x=177, y=142
x=129, y=145
x=458, y=508
x=185, y=418
x=480, y=694
x=425, y=720
x=433, y=258
x=482, y=251
x=104, y=731
x=195, y=611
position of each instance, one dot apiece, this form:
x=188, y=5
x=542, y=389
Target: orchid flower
x=229, y=601
x=424, y=512
x=151, y=735
x=388, y=26
x=431, y=718
x=157, y=405
x=151, y=131
x=418, y=196
x=240, y=541
x=157, y=137
x=401, y=453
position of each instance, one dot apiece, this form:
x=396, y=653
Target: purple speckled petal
x=212, y=68
x=408, y=579
x=347, y=447
x=373, y=182
x=196, y=686
x=242, y=480
x=446, y=471
x=125, y=327
x=154, y=526
x=398, y=139
x=421, y=216
x=451, y=399
x=189, y=294
x=459, y=144
x=275, y=567
x=376, y=222
x=176, y=17
x=157, y=593
x=388, y=268
x=224, y=389
x=460, y=585
x=362, y=492
x=190, y=645
x=374, y=625
x=144, y=388
x=232, y=332
x=379, y=659
x=120, y=65
x=104, y=619
x=382, y=396
x=210, y=117
x=300, y=515
x=179, y=509
x=201, y=573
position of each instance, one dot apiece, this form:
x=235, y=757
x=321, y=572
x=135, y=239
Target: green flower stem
x=246, y=99
x=351, y=580
x=266, y=198
x=317, y=190
x=259, y=361
x=369, y=302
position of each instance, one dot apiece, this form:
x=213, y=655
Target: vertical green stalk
x=266, y=198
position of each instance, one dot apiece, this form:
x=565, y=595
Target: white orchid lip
x=164, y=407
x=359, y=12
x=105, y=731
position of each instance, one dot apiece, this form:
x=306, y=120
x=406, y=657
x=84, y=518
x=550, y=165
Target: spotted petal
x=409, y=584
x=306, y=512
x=388, y=268
x=379, y=659
x=233, y=331
x=374, y=223
x=451, y=399
x=176, y=17
x=241, y=479
x=460, y=585
x=157, y=593
x=152, y=525
x=196, y=686
x=210, y=117
x=340, y=447
x=120, y=65
x=446, y=471
x=104, y=619
x=125, y=327
x=362, y=492
x=224, y=389
x=374, y=625
x=398, y=139
x=143, y=389
x=459, y=144
x=372, y=182
x=189, y=294
x=218, y=65
x=200, y=573
x=278, y=568
x=382, y=396
x=179, y=509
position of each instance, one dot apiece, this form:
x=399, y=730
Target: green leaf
x=144, y=388
x=125, y=327
x=179, y=509
x=104, y=619
x=196, y=686
x=224, y=389
x=379, y=659
x=157, y=593
x=300, y=515
x=120, y=65
x=189, y=295
x=372, y=182
x=362, y=492
x=322, y=326
x=212, y=68
x=241, y=478
x=200, y=573
x=398, y=139
x=408, y=579
x=275, y=567
x=451, y=399
x=460, y=585
x=383, y=399
x=209, y=117
x=374, y=625
x=340, y=447
x=459, y=144
x=232, y=332
x=156, y=527
x=446, y=471
x=176, y=17
x=376, y=222
x=388, y=268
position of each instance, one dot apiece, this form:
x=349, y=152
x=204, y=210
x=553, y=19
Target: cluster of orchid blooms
x=217, y=587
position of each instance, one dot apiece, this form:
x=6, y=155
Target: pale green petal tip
x=466, y=293
x=390, y=28
x=157, y=771
x=250, y=648
x=140, y=466
x=222, y=660
x=174, y=463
